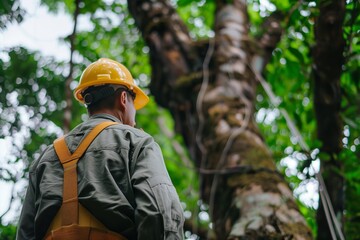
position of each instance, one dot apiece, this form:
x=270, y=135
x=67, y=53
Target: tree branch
x=172, y=56
x=69, y=79
x=268, y=41
x=170, y=45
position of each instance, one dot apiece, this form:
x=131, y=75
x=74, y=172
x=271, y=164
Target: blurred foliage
x=31, y=103
x=350, y=86
x=198, y=16
x=10, y=11
x=7, y=232
x=32, y=93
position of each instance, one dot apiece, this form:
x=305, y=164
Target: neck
x=114, y=113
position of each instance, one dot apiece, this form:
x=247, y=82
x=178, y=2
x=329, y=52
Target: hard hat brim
x=141, y=98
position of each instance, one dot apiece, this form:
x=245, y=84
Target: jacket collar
x=105, y=116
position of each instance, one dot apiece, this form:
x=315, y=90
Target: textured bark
x=172, y=56
x=328, y=61
x=213, y=108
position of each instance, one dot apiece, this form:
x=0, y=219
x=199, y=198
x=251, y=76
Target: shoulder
x=135, y=134
x=47, y=154
x=120, y=136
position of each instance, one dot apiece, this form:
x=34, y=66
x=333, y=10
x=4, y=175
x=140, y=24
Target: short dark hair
x=108, y=95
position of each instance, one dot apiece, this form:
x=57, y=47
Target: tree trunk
x=210, y=90
x=328, y=61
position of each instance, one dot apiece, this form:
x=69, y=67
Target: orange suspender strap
x=70, y=206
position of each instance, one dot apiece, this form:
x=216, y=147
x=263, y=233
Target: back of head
x=101, y=97
x=100, y=81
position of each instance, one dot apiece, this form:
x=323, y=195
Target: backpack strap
x=70, y=206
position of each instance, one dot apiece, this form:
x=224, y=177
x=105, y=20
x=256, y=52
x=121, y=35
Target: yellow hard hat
x=107, y=71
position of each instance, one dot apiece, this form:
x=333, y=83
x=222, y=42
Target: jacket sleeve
x=26, y=226
x=158, y=213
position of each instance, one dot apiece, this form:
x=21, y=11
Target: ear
x=122, y=101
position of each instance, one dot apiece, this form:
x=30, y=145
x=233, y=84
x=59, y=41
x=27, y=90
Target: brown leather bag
x=73, y=221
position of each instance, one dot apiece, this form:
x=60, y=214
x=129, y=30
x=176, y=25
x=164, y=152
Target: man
x=122, y=182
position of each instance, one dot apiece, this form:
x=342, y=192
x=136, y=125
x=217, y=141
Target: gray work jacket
x=122, y=181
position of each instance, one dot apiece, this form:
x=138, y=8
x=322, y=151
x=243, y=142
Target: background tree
x=328, y=58
x=220, y=51
x=214, y=113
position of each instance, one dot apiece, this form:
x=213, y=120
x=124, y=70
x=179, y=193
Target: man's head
x=107, y=86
